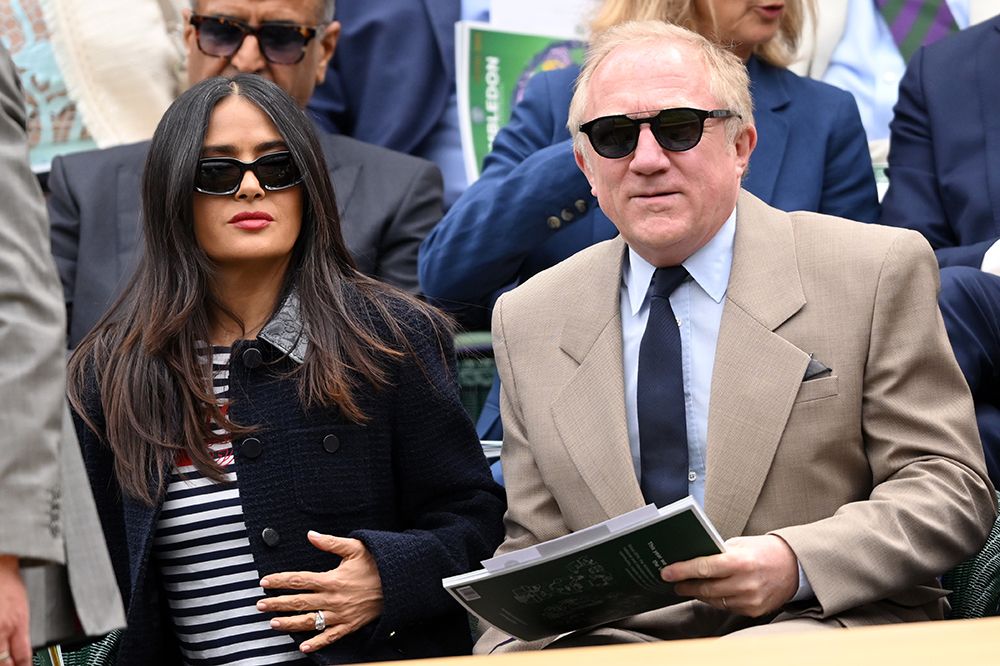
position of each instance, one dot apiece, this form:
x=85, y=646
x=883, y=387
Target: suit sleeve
x=450, y=506
x=932, y=504
x=848, y=180
x=32, y=340
x=532, y=513
x=485, y=237
x=914, y=200
x=418, y=211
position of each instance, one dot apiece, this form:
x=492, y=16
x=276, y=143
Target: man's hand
x=14, y=640
x=754, y=577
x=349, y=596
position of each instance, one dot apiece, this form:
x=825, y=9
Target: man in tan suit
x=829, y=431
x=53, y=561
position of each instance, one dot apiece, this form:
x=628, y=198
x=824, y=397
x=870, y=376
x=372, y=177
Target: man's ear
x=190, y=36
x=328, y=44
x=745, y=142
x=581, y=161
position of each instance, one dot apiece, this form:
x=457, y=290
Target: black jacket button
x=252, y=358
x=270, y=536
x=331, y=443
x=251, y=448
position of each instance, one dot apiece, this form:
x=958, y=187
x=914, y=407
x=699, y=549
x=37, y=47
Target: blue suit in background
x=392, y=74
x=944, y=181
x=532, y=206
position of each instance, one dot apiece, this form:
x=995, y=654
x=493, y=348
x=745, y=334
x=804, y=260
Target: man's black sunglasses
x=674, y=129
x=224, y=175
x=281, y=43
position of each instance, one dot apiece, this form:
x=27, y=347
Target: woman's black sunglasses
x=674, y=129
x=280, y=43
x=224, y=175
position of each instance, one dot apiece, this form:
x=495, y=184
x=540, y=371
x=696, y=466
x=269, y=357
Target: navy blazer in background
x=944, y=156
x=532, y=206
x=944, y=181
x=387, y=202
x=392, y=72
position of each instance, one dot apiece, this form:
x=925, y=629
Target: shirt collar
x=709, y=267
x=286, y=331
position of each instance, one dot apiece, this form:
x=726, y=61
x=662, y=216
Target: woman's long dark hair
x=143, y=357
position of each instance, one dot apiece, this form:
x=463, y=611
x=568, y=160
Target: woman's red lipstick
x=251, y=220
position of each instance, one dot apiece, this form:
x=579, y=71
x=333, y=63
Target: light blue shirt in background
x=697, y=304
x=867, y=63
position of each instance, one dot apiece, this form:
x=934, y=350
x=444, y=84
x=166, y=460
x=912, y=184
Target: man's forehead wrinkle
x=254, y=11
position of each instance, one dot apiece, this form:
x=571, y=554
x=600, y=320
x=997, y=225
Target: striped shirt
x=205, y=563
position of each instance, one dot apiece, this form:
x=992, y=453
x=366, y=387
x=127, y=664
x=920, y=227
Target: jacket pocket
x=815, y=389
x=332, y=472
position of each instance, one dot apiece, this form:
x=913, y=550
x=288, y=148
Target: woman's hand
x=348, y=597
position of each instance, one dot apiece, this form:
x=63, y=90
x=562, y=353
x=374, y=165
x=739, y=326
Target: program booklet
x=604, y=573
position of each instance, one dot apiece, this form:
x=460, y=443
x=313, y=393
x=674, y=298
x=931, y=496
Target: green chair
x=975, y=583
x=474, y=351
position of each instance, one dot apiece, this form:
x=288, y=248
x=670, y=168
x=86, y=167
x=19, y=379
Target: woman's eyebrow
x=229, y=149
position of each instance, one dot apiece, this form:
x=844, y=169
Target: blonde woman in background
x=532, y=207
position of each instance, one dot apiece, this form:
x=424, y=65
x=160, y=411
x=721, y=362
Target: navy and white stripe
x=207, y=570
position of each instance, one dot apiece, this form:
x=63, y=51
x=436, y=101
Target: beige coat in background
x=122, y=61
x=47, y=514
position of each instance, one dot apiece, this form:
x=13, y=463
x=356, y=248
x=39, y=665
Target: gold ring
x=5, y=656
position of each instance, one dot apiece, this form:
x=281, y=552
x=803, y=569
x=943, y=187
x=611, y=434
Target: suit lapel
x=771, y=99
x=589, y=411
x=987, y=57
x=343, y=176
x=757, y=373
x=128, y=211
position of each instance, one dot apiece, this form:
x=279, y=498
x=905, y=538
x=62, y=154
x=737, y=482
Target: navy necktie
x=663, y=448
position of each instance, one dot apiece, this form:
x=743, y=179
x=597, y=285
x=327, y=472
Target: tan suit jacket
x=47, y=514
x=874, y=475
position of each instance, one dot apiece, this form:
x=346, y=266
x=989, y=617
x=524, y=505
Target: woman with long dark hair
x=275, y=441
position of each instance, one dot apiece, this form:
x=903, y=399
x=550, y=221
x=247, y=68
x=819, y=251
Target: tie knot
x=665, y=280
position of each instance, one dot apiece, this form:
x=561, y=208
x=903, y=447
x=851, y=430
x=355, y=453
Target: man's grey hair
x=728, y=81
x=329, y=7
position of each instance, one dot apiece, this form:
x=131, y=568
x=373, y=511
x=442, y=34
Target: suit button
x=554, y=222
x=581, y=205
x=270, y=536
x=567, y=215
x=252, y=358
x=331, y=443
x=251, y=448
